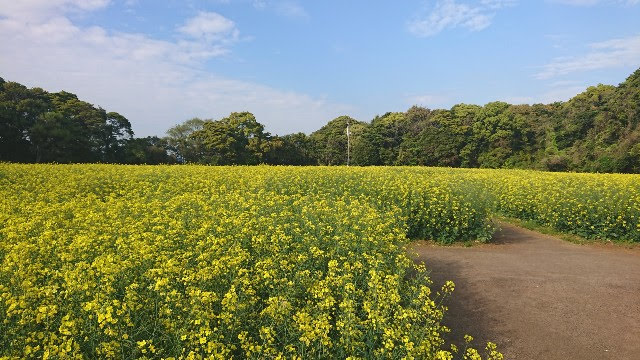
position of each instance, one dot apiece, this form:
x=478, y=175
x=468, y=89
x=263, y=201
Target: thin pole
x=348, y=144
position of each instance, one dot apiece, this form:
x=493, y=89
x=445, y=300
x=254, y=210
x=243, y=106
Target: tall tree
x=187, y=148
x=150, y=150
x=236, y=139
x=379, y=142
x=20, y=109
x=117, y=131
x=292, y=149
x=330, y=142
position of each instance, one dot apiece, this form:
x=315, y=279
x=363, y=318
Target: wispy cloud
x=607, y=54
x=210, y=26
x=39, y=9
x=155, y=83
x=557, y=91
x=449, y=14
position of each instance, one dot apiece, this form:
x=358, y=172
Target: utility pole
x=348, y=143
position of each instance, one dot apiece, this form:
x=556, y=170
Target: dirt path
x=539, y=297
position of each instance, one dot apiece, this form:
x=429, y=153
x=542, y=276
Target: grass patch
x=576, y=239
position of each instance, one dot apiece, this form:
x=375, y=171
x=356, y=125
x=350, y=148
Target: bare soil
x=539, y=297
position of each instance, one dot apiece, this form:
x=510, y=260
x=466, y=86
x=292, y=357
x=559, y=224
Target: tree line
x=596, y=131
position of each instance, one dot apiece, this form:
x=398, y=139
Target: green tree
x=292, y=149
x=410, y=150
x=59, y=138
x=150, y=150
x=236, y=139
x=116, y=132
x=186, y=148
x=20, y=108
x=379, y=142
x=597, y=130
x=329, y=143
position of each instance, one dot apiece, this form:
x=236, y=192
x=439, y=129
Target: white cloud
x=286, y=8
x=607, y=54
x=41, y=9
x=553, y=94
x=209, y=26
x=155, y=83
x=449, y=14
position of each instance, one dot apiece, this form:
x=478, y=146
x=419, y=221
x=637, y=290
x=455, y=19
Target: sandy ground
x=539, y=297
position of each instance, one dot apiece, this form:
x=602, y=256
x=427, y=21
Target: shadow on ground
x=539, y=297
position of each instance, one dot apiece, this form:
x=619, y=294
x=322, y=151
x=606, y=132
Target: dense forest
x=596, y=131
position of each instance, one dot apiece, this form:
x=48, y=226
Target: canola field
x=593, y=206
x=106, y=261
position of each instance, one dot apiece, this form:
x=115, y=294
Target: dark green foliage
x=150, y=150
x=292, y=149
x=234, y=140
x=178, y=137
x=596, y=131
x=379, y=142
x=329, y=143
x=37, y=126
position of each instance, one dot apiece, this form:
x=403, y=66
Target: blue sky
x=298, y=64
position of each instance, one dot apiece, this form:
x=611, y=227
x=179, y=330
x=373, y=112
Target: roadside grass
x=533, y=226
x=573, y=238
